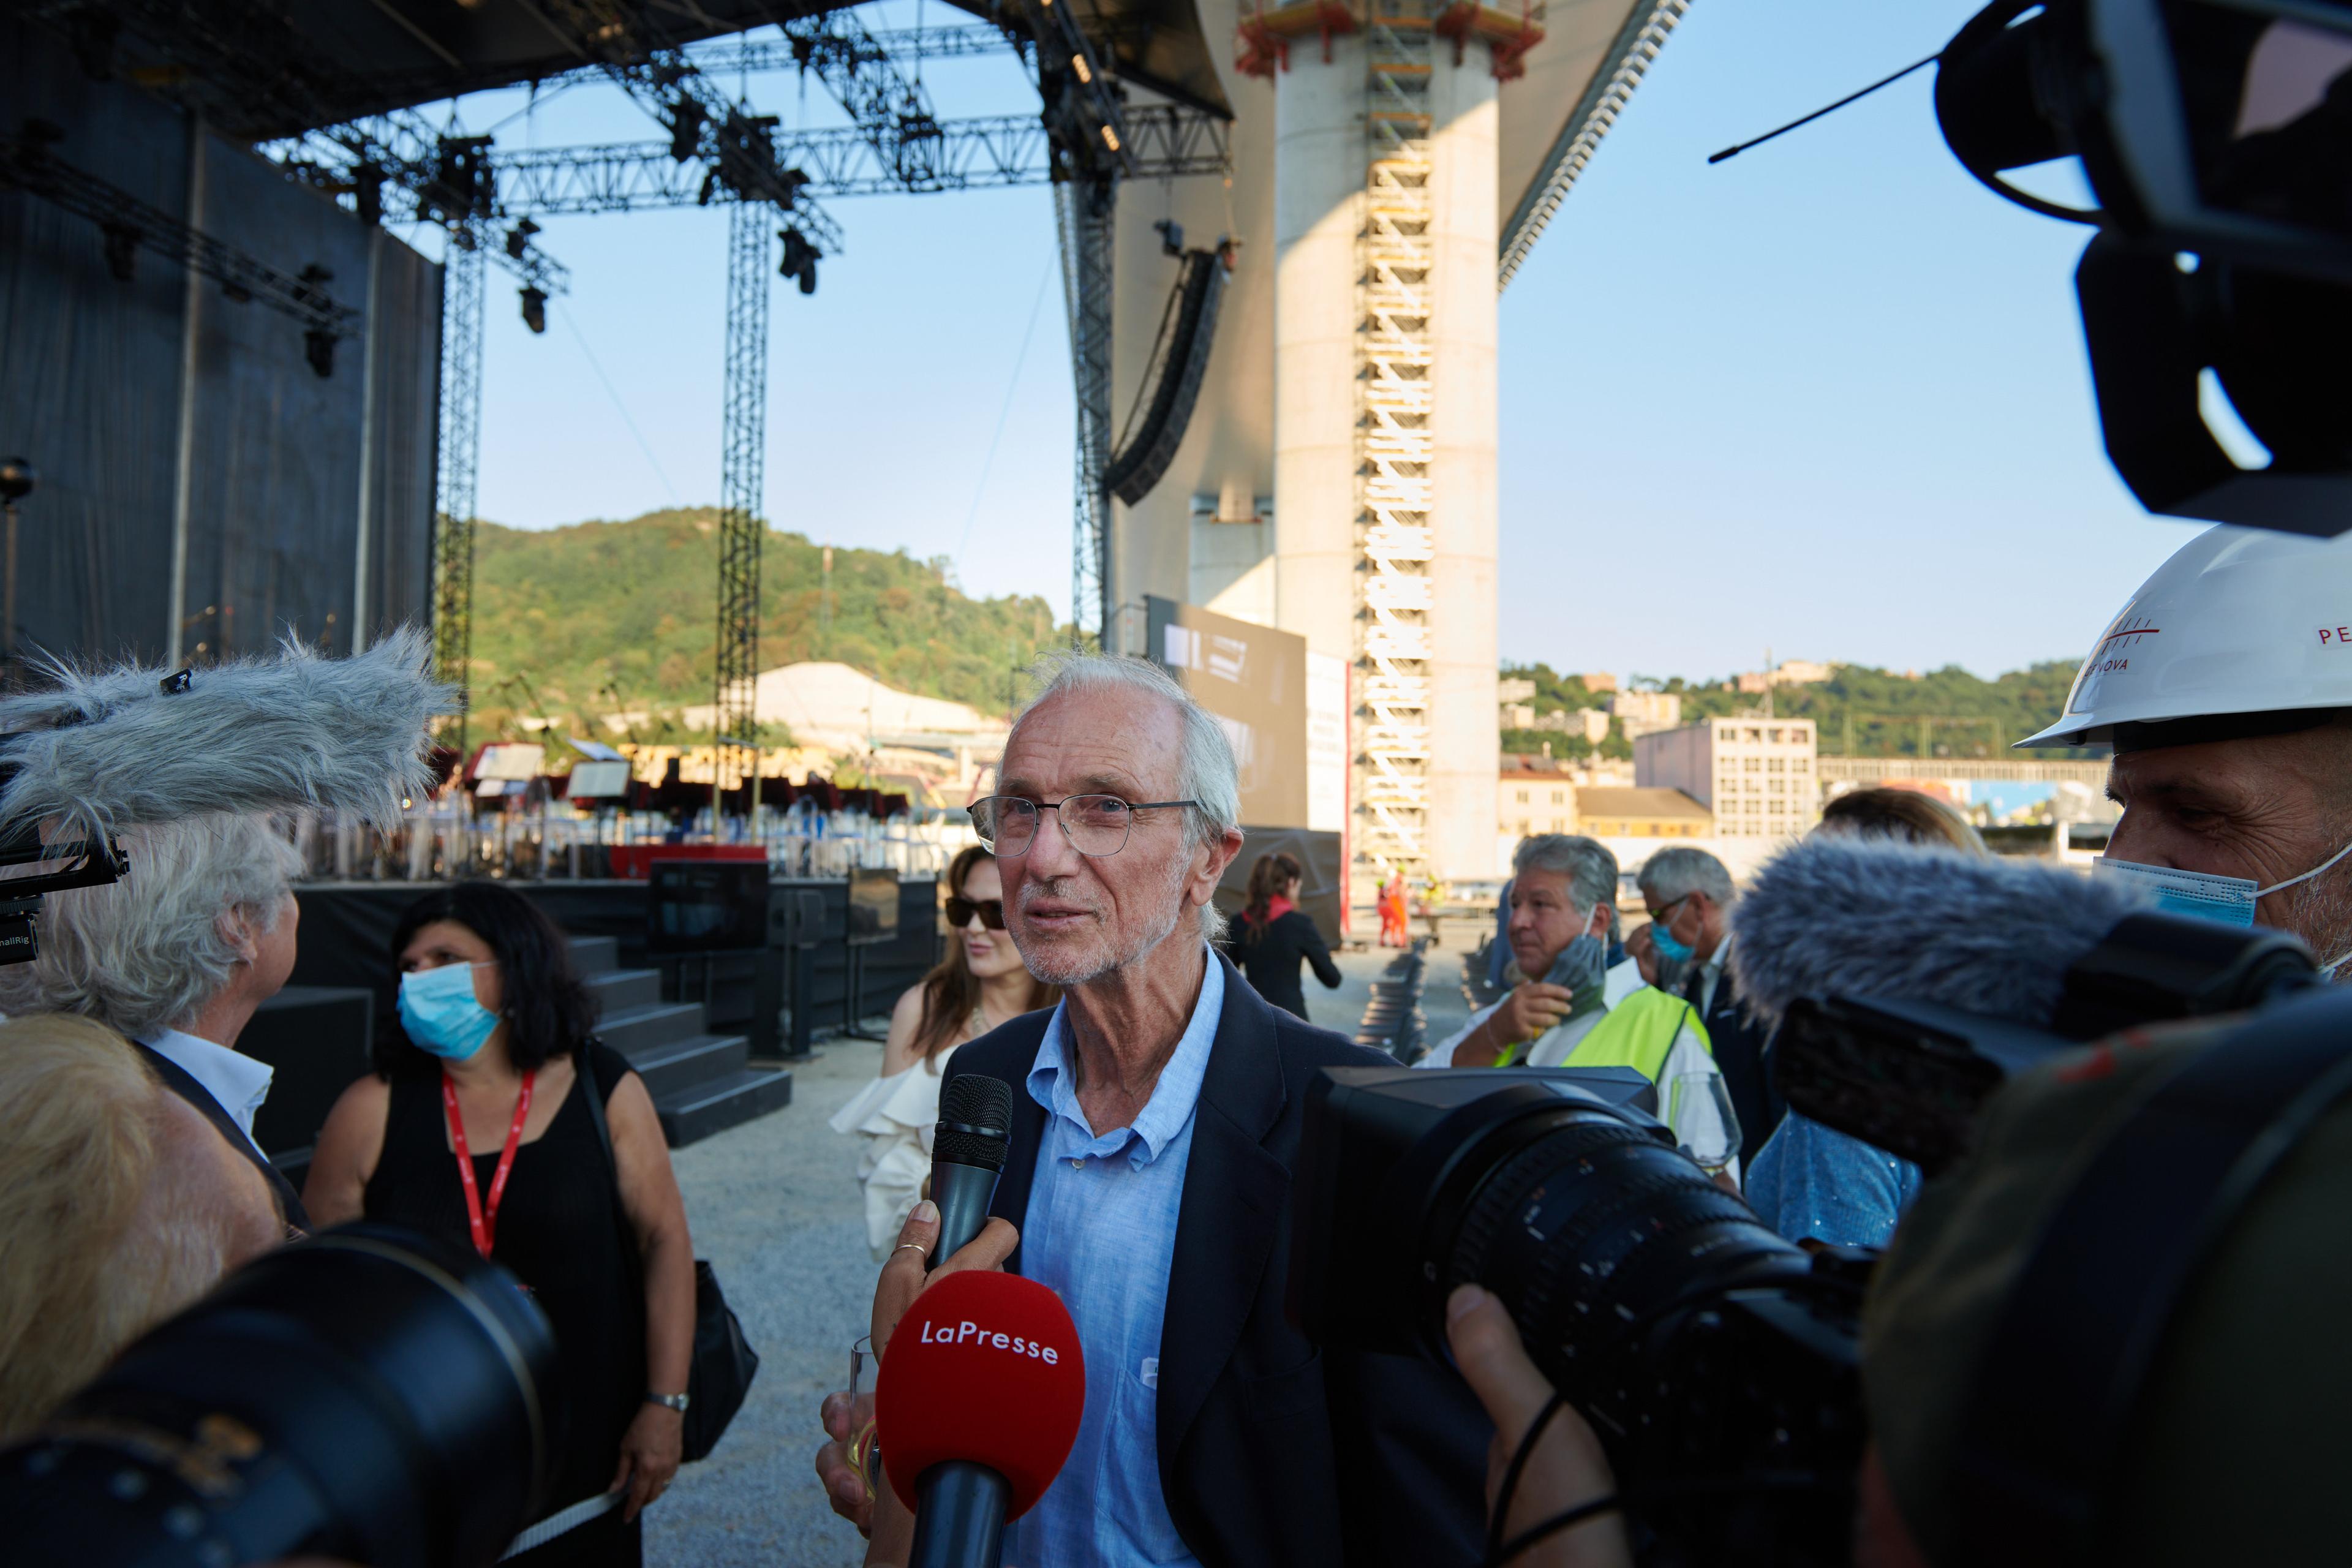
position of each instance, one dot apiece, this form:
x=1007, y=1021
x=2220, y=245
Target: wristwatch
x=669, y=1401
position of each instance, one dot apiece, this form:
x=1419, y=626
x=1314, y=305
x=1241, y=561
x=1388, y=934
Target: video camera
x=1718, y=1362
x=2216, y=138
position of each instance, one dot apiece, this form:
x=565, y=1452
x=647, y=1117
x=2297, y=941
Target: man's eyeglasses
x=990, y=910
x=1096, y=825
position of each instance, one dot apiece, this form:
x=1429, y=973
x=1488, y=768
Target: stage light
x=1078, y=64
x=534, y=309
x=685, y=120
x=1110, y=138
x=518, y=238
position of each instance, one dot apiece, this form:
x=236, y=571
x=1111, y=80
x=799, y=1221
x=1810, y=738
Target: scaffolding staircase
x=1393, y=438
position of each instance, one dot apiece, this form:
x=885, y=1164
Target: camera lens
x=370, y=1395
x=1592, y=1232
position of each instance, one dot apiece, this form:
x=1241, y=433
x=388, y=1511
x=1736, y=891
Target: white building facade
x=1760, y=777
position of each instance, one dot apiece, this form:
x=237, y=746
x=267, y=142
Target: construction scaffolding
x=1393, y=443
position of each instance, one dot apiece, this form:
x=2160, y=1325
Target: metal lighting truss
x=1637, y=43
x=735, y=724
x=1084, y=213
x=985, y=151
x=461, y=446
x=1393, y=441
x=890, y=107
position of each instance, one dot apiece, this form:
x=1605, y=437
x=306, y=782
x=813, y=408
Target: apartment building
x=1756, y=774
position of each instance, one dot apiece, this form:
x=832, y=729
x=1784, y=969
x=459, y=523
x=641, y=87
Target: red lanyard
x=485, y=1221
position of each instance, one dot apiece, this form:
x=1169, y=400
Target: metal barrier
x=1392, y=1020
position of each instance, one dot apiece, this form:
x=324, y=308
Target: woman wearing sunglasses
x=980, y=983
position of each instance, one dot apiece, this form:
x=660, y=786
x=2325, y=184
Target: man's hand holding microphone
x=903, y=1278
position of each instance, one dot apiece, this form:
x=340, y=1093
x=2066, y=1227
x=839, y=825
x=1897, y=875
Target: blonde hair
x=103, y=1233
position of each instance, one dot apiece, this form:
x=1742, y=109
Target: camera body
x=1718, y=1362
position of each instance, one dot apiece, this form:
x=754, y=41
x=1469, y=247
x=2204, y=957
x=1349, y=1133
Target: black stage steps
x=701, y=1083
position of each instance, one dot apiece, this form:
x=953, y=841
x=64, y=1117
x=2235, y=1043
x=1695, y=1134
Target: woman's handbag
x=724, y=1361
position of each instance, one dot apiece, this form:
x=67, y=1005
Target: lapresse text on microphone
x=976, y=1409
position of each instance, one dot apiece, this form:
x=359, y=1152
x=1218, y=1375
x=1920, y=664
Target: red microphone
x=976, y=1409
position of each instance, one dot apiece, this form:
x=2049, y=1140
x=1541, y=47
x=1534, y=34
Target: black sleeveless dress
x=559, y=1231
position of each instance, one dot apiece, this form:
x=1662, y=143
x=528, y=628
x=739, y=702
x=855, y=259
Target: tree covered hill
x=604, y=616
x=1859, y=712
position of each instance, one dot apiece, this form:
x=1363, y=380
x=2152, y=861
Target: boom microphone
x=976, y=1409
x=968, y=1151
x=1867, y=917
x=1905, y=984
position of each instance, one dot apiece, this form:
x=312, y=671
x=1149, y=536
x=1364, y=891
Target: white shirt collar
x=239, y=1082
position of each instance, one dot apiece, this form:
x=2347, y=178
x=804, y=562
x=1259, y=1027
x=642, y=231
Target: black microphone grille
x=975, y=1122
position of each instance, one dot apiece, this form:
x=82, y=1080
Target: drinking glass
x=865, y=1454
x=1698, y=1107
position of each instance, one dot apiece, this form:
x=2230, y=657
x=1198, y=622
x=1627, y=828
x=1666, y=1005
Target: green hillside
x=1859, y=711
x=605, y=616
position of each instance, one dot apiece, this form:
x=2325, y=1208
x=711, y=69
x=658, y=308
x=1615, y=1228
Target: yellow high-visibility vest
x=1637, y=1033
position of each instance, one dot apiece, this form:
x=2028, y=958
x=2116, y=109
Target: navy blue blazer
x=1272, y=1451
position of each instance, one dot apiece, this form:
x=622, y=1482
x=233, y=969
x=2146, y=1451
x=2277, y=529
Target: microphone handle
x=959, y=1515
x=962, y=1192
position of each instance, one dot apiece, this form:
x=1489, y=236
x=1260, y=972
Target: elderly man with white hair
x=1156, y=1121
x=176, y=957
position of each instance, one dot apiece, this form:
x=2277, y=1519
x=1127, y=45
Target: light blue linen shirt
x=1101, y=1231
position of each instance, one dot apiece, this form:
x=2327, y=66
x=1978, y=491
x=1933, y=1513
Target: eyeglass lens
x=1097, y=824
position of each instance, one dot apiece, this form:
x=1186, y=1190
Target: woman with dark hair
x=1274, y=936
x=981, y=982
x=496, y=1033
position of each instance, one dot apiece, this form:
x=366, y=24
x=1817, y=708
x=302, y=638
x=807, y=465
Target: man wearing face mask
x=2225, y=687
x=1689, y=893
x=1570, y=1008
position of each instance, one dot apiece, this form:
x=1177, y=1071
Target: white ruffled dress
x=897, y=1115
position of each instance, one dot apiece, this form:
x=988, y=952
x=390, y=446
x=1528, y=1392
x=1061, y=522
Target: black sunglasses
x=990, y=910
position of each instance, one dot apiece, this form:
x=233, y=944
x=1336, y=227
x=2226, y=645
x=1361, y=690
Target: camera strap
x=2059, y=1381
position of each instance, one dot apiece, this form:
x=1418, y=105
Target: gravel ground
x=775, y=1206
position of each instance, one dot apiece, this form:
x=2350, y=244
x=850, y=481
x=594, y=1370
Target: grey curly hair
x=148, y=953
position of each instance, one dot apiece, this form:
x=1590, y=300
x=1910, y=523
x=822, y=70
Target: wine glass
x=1698, y=1107
x=865, y=1454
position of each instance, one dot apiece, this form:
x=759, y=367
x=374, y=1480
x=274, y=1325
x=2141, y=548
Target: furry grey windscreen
x=108, y=749
x=1863, y=917
x=974, y=1102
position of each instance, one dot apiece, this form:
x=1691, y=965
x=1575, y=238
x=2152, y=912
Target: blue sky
x=1828, y=398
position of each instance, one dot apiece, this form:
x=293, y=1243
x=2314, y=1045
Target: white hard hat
x=2240, y=622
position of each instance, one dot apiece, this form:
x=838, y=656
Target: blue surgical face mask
x=2201, y=894
x=438, y=1009
x=1668, y=946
